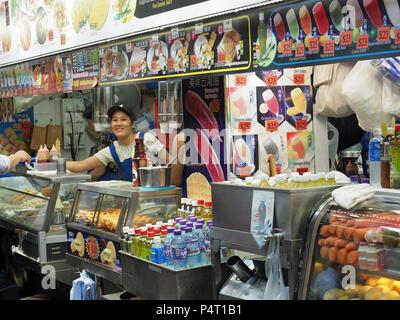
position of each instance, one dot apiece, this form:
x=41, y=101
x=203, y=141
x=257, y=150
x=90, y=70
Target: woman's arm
x=97, y=172
x=84, y=165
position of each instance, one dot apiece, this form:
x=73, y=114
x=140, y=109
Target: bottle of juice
x=135, y=242
x=330, y=179
x=142, y=243
x=322, y=180
x=149, y=244
x=314, y=182
x=262, y=34
x=207, y=213
x=131, y=233
x=124, y=239
x=199, y=209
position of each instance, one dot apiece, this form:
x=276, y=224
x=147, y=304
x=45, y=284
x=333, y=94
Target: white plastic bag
x=391, y=97
x=275, y=288
x=329, y=101
x=362, y=89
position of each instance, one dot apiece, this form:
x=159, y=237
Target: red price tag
x=153, y=65
x=193, y=60
x=313, y=44
x=245, y=171
x=301, y=170
x=298, y=78
x=329, y=46
x=397, y=39
x=133, y=68
x=240, y=80
x=51, y=35
x=300, y=50
x=271, y=125
x=301, y=124
x=63, y=39
x=346, y=38
x=221, y=57
x=384, y=34
x=271, y=81
x=287, y=47
x=244, y=125
x=362, y=41
x=170, y=63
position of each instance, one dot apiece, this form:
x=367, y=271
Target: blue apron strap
x=125, y=168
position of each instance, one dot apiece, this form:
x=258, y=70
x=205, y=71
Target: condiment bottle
x=124, y=238
x=199, y=208
x=135, y=241
x=385, y=158
x=207, y=213
x=131, y=233
x=138, y=161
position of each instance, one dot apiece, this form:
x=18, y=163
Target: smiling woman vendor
x=120, y=152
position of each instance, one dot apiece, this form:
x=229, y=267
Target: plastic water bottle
x=202, y=239
x=167, y=247
x=207, y=242
x=157, y=251
x=375, y=159
x=178, y=251
x=193, y=249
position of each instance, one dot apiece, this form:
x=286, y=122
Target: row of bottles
x=177, y=244
x=199, y=208
x=384, y=157
x=293, y=180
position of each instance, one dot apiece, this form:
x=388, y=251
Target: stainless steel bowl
x=159, y=176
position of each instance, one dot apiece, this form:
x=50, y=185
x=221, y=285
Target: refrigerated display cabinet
x=33, y=209
x=353, y=254
x=99, y=213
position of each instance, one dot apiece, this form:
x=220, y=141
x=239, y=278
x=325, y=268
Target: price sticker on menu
x=384, y=34
x=301, y=124
x=271, y=80
x=329, y=46
x=298, y=78
x=313, y=44
x=245, y=171
x=227, y=25
x=198, y=28
x=244, y=125
x=175, y=33
x=240, y=80
x=63, y=39
x=154, y=38
x=193, y=60
x=300, y=50
x=287, y=47
x=221, y=57
x=170, y=63
x=51, y=35
x=346, y=38
x=362, y=42
x=397, y=37
x=271, y=125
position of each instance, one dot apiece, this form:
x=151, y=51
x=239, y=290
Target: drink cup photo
x=321, y=18
x=279, y=26
x=305, y=20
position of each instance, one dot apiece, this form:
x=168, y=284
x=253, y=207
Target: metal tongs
x=29, y=166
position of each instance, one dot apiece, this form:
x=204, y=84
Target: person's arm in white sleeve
x=9, y=163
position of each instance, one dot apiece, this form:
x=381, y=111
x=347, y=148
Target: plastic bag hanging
x=83, y=288
x=275, y=288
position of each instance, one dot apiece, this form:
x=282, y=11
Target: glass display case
x=353, y=254
x=99, y=213
x=33, y=209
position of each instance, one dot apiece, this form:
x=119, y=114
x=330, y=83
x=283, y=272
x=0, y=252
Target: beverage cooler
x=34, y=207
x=100, y=212
x=353, y=254
x=240, y=223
